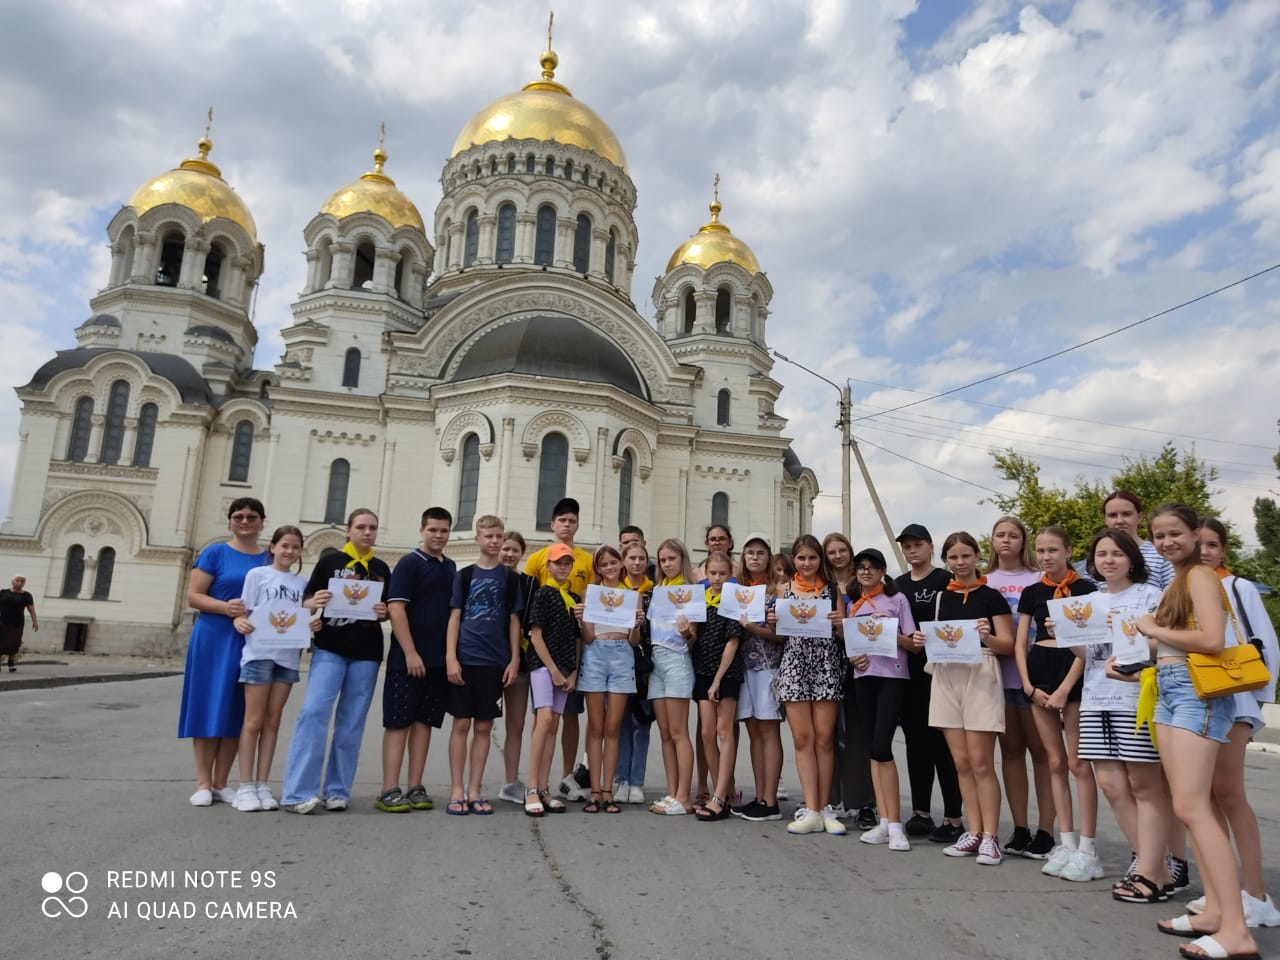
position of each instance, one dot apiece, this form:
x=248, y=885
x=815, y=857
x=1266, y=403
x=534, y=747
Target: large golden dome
x=375, y=192
x=714, y=243
x=542, y=110
x=197, y=184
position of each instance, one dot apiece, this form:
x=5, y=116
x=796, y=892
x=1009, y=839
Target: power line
x=1077, y=346
x=950, y=476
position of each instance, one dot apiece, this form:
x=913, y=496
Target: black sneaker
x=764, y=812
x=868, y=816
x=1018, y=843
x=1179, y=871
x=920, y=826
x=582, y=776
x=745, y=810
x=1040, y=847
x=947, y=833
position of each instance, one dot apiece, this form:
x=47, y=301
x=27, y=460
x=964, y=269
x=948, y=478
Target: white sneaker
x=224, y=795
x=247, y=798
x=302, y=807
x=877, y=834
x=265, y=797
x=831, y=822
x=512, y=792
x=898, y=839
x=202, y=798
x=783, y=793
x=635, y=794
x=1082, y=867
x=569, y=790
x=806, y=821
x=1259, y=913
x=1196, y=906
x=1057, y=861
x=838, y=811
x=336, y=804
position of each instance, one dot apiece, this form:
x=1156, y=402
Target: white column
x=488, y=229
x=384, y=270
x=564, y=243
x=144, y=259
x=505, y=467
x=526, y=232
x=682, y=503
x=597, y=512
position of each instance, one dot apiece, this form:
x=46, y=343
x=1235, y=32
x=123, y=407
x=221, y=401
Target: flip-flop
x=1180, y=926
x=1213, y=949
x=481, y=807
x=457, y=808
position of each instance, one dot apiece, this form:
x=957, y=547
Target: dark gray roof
x=213, y=333
x=101, y=320
x=559, y=347
x=792, y=464
x=191, y=386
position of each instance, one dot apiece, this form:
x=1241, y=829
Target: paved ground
x=94, y=782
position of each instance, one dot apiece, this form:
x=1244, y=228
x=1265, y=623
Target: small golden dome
x=542, y=110
x=714, y=243
x=375, y=192
x=197, y=184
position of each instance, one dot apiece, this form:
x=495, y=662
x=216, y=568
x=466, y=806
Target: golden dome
x=542, y=110
x=375, y=192
x=714, y=243
x=197, y=184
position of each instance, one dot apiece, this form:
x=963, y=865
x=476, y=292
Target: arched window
x=690, y=311
x=544, y=244
x=362, y=278
x=625, y=476
x=146, y=438
x=171, y=250
x=722, y=408
x=550, y=167
x=397, y=288
x=582, y=244
x=530, y=162
x=351, y=368
x=472, y=246
x=511, y=163
x=102, y=579
x=213, y=271
x=493, y=165
x=720, y=509
x=241, y=452
x=113, y=434
x=124, y=264
x=324, y=267
x=553, y=471
x=568, y=169
x=505, y=250
x=448, y=243
x=469, y=484
x=610, y=251
x=586, y=175
x=335, y=501
x=724, y=309
x=81, y=429
x=73, y=573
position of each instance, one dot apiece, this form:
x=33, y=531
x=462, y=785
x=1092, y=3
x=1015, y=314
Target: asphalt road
x=95, y=787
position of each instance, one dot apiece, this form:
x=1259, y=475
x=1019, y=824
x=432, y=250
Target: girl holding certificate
x=758, y=704
x=880, y=682
x=269, y=670
x=810, y=682
x=1051, y=677
x=1191, y=731
x=967, y=701
x=671, y=684
x=717, y=680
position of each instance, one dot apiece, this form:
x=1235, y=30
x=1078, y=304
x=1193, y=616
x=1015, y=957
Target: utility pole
x=844, y=424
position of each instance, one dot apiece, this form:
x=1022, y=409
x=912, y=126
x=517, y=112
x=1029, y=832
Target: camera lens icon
x=74, y=883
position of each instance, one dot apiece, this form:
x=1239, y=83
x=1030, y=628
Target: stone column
x=526, y=232
x=384, y=270
x=144, y=259
x=344, y=269
x=597, y=511
x=505, y=467
x=564, y=243
x=488, y=230
x=193, y=255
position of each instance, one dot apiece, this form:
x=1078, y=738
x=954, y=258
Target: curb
x=37, y=683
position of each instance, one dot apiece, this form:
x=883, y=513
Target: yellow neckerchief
x=714, y=601
x=644, y=587
x=356, y=556
x=565, y=595
x=673, y=581
x=1147, y=704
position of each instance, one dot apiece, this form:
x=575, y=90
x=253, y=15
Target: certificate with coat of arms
x=353, y=599
x=1128, y=643
x=736, y=599
x=800, y=617
x=1080, y=620
x=874, y=636
x=952, y=641
x=610, y=606
x=281, y=624
x=688, y=600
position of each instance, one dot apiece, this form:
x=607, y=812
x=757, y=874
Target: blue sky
x=937, y=191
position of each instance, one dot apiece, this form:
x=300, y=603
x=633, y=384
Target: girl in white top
x=268, y=672
x=1228, y=773
x=671, y=684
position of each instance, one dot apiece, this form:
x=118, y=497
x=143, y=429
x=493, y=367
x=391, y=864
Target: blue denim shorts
x=608, y=666
x=672, y=676
x=1178, y=706
x=258, y=672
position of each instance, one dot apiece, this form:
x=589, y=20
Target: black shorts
x=1047, y=667
x=480, y=695
x=730, y=687
x=408, y=700
x=574, y=703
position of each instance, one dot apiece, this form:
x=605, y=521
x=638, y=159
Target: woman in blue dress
x=212, y=709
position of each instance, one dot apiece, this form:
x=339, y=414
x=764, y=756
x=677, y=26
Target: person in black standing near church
x=926, y=747
x=14, y=603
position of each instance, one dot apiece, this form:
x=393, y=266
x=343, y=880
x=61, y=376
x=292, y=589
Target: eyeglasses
x=865, y=570
x=717, y=539
x=245, y=517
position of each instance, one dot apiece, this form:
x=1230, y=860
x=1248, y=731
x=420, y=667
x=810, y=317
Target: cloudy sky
x=938, y=191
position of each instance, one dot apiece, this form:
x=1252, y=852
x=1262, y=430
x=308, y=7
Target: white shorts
x=757, y=699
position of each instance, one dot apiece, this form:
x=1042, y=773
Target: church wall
x=31, y=473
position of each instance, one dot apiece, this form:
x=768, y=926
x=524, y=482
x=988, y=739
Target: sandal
x=552, y=804
x=1180, y=926
x=1136, y=888
x=592, y=805
x=457, y=808
x=660, y=806
x=706, y=814
x=532, y=805
x=481, y=807
x=610, y=806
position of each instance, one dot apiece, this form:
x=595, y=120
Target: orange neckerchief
x=875, y=591
x=955, y=586
x=1222, y=572
x=1061, y=588
x=757, y=581
x=815, y=587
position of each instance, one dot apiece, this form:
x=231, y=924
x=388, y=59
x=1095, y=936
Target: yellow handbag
x=1234, y=669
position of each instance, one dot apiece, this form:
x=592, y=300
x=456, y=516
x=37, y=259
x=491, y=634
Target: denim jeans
x=351, y=683
x=633, y=749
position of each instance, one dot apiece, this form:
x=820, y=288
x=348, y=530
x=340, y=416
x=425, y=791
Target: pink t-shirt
x=1011, y=586
x=895, y=606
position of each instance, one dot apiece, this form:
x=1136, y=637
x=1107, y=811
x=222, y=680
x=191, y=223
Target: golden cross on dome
x=716, y=188
x=550, y=20
x=382, y=136
x=208, y=126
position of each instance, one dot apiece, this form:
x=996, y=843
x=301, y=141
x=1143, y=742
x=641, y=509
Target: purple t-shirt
x=1011, y=586
x=896, y=606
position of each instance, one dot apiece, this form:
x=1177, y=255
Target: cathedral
x=492, y=365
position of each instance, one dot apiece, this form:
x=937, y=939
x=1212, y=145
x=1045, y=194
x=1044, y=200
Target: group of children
x=469, y=642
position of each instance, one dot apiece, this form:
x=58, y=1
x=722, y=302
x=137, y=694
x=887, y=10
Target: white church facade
x=492, y=365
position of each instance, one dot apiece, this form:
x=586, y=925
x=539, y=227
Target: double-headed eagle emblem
x=354, y=593
x=283, y=620
x=871, y=628
x=1129, y=627
x=679, y=598
x=949, y=634
x=611, y=599
x=1079, y=612
x=803, y=612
